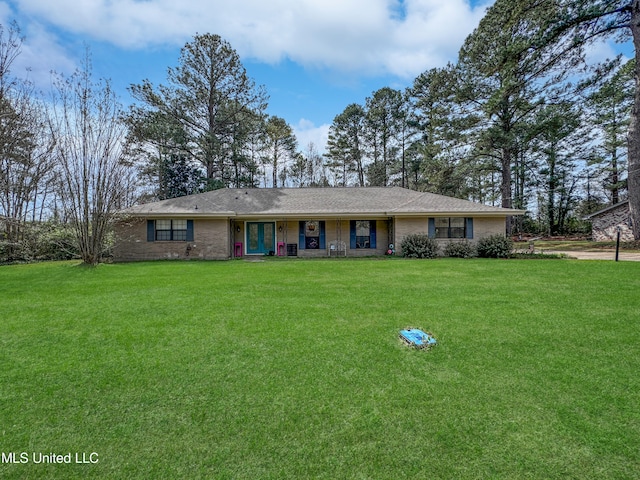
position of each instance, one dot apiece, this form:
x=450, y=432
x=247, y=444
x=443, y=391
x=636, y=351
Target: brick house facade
x=303, y=222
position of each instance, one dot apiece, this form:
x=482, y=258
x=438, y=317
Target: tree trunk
x=551, y=194
x=633, y=139
x=505, y=187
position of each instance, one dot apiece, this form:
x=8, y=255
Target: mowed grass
x=289, y=369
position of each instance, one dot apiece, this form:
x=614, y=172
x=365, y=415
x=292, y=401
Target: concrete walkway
x=602, y=255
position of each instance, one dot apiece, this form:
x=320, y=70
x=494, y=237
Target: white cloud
x=366, y=36
x=306, y=132
x=40, y=52
x=603, y=50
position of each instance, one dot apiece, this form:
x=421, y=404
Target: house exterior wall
x=485, y=227
x=210, y=242
x=216, y=239
x=604, y=227
x=409, y=226
x=335, y=231
x=482, y=227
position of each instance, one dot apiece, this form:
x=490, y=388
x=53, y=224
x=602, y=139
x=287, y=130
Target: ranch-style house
x=302, y=222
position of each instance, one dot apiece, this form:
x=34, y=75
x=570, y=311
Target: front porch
x=310, y=238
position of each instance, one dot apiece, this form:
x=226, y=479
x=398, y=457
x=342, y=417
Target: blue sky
x=313, y=56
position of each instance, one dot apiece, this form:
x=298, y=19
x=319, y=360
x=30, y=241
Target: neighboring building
x=303, y=222
x=605, y=223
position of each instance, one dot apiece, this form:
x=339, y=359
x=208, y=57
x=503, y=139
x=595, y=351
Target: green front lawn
x=290, y=369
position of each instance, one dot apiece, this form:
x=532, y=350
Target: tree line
x=519, y=121
x=63, y=166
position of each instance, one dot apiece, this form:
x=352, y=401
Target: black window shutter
x=189, y=230
x=372, y=233
x=352, y=234
x=301, y=236
x=432, y=228
x=151, y=230
x=323, y=235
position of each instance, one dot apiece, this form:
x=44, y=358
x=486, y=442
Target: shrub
x=36, y=241
x=462, y=249
x=495, y=246
x=419, y=245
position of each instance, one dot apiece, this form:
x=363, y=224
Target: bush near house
x=462, y=249
x=39, y=241
x=419, y=245
x=495, y=246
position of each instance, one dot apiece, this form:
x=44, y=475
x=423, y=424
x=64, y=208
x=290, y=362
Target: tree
x=436, y=157
x=26, y=166
x=508, y=74
x=160, y=144
x=214, y=101
x=299, y=171
x=383, y=124
x=315, y=166
x=557, y=143
x=581, y=22
x=280, y=148
x=345, y=145
x=95, y=176
x=611, y=105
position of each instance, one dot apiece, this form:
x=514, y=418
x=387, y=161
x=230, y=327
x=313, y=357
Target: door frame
x=261, y=250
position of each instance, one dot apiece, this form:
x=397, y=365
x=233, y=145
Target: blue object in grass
x=415, y=336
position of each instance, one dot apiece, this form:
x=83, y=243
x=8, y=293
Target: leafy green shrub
x=419, y=245
x=38, y=241
x=462, y=249
x=632, y=245
x=495, y=246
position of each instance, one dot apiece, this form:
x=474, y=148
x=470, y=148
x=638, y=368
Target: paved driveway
x=603, y=255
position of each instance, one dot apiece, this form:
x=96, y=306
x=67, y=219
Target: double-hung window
x=169, y=230
x=451, y=227
x=312, y=235
x=363, y=234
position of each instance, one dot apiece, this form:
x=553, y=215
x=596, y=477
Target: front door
x=261, y=238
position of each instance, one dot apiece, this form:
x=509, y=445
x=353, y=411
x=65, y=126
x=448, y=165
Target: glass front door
x=261, y=238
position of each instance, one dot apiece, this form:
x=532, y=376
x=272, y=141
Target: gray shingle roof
x=310, y=202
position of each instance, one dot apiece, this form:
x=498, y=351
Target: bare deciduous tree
x=96, y=179
x=25, y=162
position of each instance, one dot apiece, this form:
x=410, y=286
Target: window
x=451, y=227
x=312, y=235
x=164, y=230
x=363, y=234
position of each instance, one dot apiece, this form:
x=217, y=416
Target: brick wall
x=215, y=239
x=482, y=227
x=210, y=242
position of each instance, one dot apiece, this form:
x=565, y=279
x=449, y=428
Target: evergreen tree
x=215, y=103
x=345, y=146
x=280, y=148
x=507, y=74
x=611, y=107
x=383, y=124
